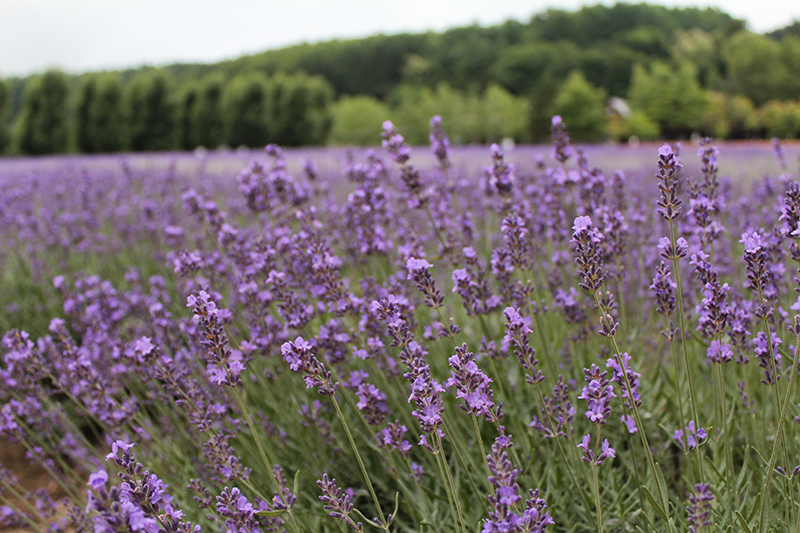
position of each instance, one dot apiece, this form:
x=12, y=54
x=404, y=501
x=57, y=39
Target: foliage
x=207, y=124
x=582, y=106
x=670, y=96
x=354, y=120
x=246, y=108
x=730, y=117
x=472, y=118
x=4, y=114
x=151, y=112
x=762, y=69
x=99, y=115
x=299, y=110
x=781, y=119
x=42, y=126
x=531, y=60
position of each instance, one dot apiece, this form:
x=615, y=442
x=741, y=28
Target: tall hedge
x=42, y=126
x=152, y=113
x=100, y=124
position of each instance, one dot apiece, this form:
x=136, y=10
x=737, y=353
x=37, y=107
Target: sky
x=83, y=35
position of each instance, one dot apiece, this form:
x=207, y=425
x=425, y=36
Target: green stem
x=443, y=477
x=480, y=442
x=778, y=439
x=450, y=481
x=360, y=464
x=682, y=325
x=662, y=498
x=597, y=484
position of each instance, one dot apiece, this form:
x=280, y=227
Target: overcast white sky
x=80, y=35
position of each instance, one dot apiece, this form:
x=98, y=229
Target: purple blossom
x=503, y=477
x=598, y=393
x=472, y=386
x=691, y=438
x=301, y=359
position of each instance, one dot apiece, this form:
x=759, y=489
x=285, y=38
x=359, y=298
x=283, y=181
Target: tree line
x=611, y=71
x=150, y=113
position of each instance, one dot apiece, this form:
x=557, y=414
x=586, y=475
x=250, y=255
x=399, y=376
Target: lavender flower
x=691, y=438
x=337, y=503
x=419, y=272
x=472, y=386
x=393, y=436
x=598, y=393
x=559, y=410
x=606, y=451
x=664, y=288
x=620, y=373
x=440, y=144
x=372, y=402
x=502, y=518
x=500, y=175
x=762, y=350
x=300, y=358
x=517, y=332
x=560, y=140
x=668, y=166
x=699, y=507
x=755, y=257
x=224, y=365
x=586, y=239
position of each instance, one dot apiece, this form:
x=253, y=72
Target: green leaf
x=367, y=520
x=659, y=509
x=662, y=487
x=296, y=483
x=756, y=507
x=743, y=522
x=396, y=506
x=270, y=514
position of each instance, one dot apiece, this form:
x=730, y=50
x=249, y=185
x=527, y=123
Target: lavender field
x=556, y=338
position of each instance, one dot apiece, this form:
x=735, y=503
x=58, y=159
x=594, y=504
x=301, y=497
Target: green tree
x=208, y=127
x=730, y=117
x=300, y=110
x=186, y=109
x=671, y=97
x=528, y=68
x=781, y=119
x=152, y=112
x=582, y=106
x=42, y=126
x=4, y=98
x=246, y=111
x=502, y=115
x=357, y=121
x=756, y=68
x=99, y=118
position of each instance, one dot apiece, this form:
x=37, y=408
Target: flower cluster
x=472, y=386
x=504, y=516
x=668, y=166
x=224, y=365
x=691, y=438
x=419, y=272
x=517, y=332
x=558, y=411
x=301, y=359
x=623, y=374
x=337, y=503
x=699, y=508
x=606, y=451
x=586, y=239
x=440, y=144
x=598, y=393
